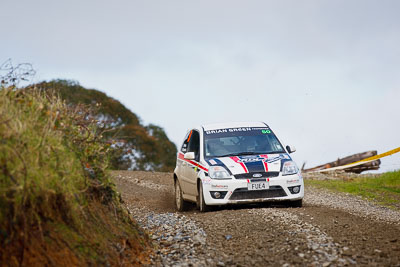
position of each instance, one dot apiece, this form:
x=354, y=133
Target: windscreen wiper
x=252, y=153
x=275, y=152
x=242, y=154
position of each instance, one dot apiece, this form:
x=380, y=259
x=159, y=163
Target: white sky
x=325, y=75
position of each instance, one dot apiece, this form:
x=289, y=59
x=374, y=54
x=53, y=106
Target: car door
x=182, y=163
x=191, y=169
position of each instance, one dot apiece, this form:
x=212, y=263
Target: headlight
x=218, y=172
x=289, y=167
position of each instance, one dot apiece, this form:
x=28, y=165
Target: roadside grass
x=55, y=187
x=383, y=189
x=41, y=177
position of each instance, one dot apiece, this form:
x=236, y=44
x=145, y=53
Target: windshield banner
x=237, y=131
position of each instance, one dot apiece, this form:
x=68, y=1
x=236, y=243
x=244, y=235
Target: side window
x=194, y=143
x=185, y=143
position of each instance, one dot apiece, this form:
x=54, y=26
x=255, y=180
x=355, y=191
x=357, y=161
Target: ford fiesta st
x=231, y=163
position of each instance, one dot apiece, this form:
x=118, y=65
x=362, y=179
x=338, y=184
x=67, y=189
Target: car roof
x=214, y=126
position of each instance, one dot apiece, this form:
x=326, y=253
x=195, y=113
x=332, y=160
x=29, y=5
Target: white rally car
x=233, y=163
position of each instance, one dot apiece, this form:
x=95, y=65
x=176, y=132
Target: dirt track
x=330, y=230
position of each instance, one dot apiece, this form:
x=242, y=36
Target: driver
x=263, y=144
x=216, y=148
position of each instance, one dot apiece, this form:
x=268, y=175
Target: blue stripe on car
x=255, y=166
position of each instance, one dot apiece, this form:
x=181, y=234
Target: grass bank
x=384, y=189
x=58, y=205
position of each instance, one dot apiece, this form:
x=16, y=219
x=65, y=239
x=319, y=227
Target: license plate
x=258, y=186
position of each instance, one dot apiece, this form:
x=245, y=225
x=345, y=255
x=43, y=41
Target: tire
x=180, y=203
x=296, y=203
x=201, y=204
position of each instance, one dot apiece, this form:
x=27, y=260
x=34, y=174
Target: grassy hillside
x=57, y=202
x=384, y=188
x=135, y=146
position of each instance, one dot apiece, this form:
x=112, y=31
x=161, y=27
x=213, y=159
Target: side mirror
x=290, y=149
x=189, y=155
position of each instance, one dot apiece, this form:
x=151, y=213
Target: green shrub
x=52, y=160
x=139, y=147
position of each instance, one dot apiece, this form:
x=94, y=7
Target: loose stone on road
x=330, y=230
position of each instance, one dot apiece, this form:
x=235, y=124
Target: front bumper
x=235, y=191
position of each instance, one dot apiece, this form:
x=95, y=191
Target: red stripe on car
x=182, y=157
x=236, y=159
x=265, y=163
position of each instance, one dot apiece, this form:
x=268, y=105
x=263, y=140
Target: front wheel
x=180, y=203
x=201, y=204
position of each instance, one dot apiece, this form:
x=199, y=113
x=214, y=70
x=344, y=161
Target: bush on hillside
x=52, y=160
x=135, y=146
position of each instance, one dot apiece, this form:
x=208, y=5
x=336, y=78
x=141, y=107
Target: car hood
x=251, y=164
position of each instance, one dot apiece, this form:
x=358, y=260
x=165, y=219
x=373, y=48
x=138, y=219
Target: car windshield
x=240, y=141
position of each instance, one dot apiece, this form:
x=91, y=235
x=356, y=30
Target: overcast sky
x=325, y=75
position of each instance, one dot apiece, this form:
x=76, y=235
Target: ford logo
x=257, y=175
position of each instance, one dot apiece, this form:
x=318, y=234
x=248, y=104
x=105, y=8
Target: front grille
x=250, y=175
x=244, y=193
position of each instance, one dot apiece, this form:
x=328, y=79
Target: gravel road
x=330, y=230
